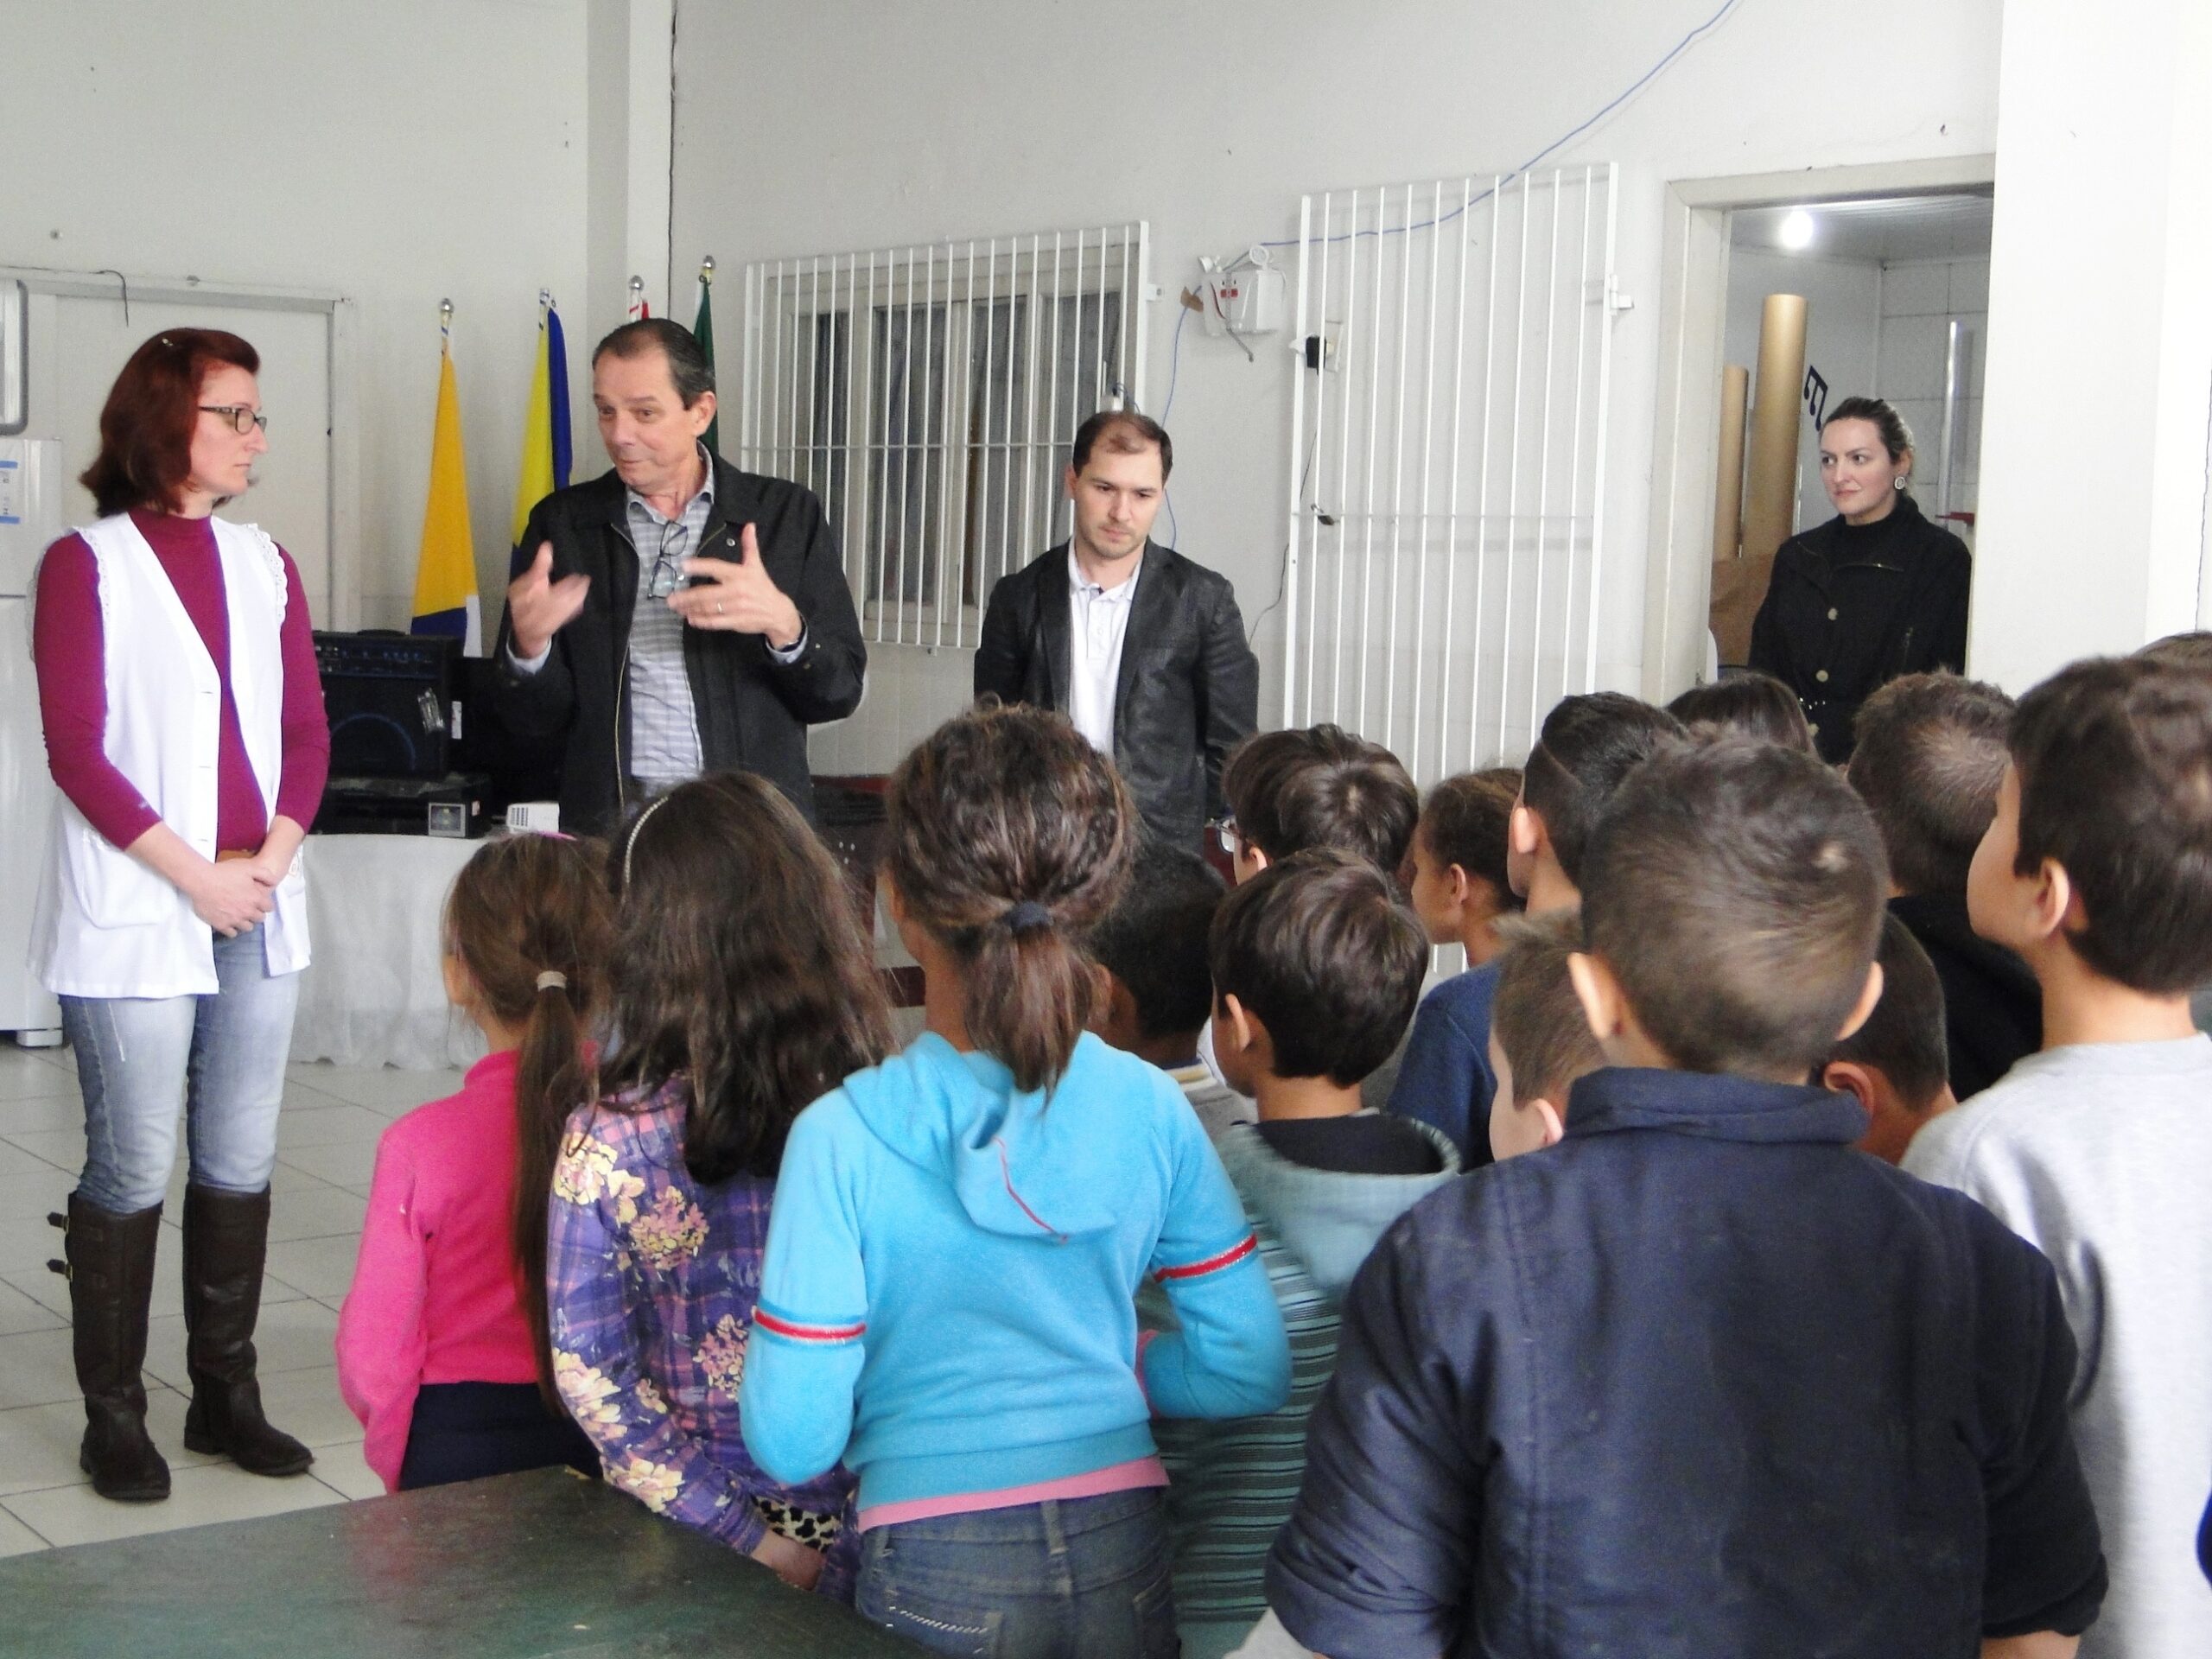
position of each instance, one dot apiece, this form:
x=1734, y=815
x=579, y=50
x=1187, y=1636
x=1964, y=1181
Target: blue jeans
x=221, y=1058
x=1083, y=1577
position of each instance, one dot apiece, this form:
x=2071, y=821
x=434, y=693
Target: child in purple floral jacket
x=743, y=988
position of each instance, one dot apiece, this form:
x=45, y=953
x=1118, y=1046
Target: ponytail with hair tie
x=517, y=905
x=1008, y=836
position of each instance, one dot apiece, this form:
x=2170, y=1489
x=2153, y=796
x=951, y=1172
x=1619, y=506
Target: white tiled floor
x=325, y=1151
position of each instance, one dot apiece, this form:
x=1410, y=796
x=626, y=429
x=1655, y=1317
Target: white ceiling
x=1885, y=230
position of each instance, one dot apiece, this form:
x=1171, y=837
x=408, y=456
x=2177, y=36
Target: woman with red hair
x=184, y=729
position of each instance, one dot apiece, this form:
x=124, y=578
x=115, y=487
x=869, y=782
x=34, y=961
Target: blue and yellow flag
x=535, y=480
x=556, y=360
x=445, y=570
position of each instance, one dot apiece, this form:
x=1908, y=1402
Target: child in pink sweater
x=441, y=1349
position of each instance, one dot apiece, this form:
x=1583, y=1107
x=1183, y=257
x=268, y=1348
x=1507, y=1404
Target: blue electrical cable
x=1183, y=313
x=1637, y=86
x=1174, y=366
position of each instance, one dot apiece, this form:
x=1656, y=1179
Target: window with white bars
x=929, y=395
x=1448, y=460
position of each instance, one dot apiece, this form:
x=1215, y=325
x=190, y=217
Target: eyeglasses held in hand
x=242, y=419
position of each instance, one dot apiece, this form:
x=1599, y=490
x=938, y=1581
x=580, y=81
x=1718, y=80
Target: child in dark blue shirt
x=1700, y=1379
x=1587, y=745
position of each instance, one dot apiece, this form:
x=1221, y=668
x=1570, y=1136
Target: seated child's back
x=948, y=1304
x=743, y=987
x=1699, y=1379
x=442, y=1341
x=1316, y=966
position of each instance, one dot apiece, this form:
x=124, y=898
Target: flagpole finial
x=445, y=316
x=707, y=269
x=546, y=299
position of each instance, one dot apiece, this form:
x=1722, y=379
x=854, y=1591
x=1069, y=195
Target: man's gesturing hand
x=740, y=598
x=538, y=607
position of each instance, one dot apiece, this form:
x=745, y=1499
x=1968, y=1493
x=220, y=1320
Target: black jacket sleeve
x=827, y=680
x=1770, y=652
x=1378, y=1556
x=540, y=704
x=999, y=652
x=1947, y=638
x=1228, y=690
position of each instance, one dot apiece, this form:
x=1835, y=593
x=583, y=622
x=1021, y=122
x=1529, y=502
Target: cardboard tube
x=1770, y=495
x=1728, y=494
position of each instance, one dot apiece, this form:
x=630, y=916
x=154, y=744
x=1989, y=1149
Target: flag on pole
x=445, y=570
x=703, y=328
x=534, y=482
x=557, y=361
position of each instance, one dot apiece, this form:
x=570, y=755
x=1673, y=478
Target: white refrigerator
x=30, y=517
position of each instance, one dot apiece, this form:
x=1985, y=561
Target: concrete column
x=630, y=77
x=2091, y=533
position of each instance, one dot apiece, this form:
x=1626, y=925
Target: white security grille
x=929, y=396
x=1448, y=460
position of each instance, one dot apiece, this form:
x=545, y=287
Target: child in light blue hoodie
x=947, y=1302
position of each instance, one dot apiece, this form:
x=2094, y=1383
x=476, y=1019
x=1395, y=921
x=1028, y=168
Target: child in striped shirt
x=1317, y=965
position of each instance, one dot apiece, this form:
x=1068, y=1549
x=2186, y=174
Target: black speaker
x=517, y=768
x=389, y=697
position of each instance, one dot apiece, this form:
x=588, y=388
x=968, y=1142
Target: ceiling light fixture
x=1797, y=230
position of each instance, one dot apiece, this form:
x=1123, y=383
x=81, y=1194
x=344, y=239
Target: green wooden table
x=526, y=1566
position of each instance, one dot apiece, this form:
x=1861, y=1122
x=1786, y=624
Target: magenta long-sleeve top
x=69, y=646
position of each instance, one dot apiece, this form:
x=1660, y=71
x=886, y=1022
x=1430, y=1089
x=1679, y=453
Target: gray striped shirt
x=663, y=738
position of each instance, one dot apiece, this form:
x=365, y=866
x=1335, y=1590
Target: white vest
x=107, y=924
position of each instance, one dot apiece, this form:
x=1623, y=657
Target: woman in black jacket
x=1874, y=593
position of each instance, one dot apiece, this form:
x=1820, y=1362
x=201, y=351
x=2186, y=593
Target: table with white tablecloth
x=375, y=994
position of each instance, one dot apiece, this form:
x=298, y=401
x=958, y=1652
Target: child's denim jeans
x=1080, y=1578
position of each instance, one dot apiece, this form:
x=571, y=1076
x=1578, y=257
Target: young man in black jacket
x=675, y=616
x=1143, y=650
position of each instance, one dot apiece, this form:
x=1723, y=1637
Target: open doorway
x=1878, y=231
x=1895, y=300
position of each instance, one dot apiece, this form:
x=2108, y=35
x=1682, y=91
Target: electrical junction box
x=1250, y=299
x=1254, y=299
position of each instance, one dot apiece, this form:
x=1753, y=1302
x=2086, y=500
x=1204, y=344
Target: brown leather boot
x=111, y=1274
x=226, y=1242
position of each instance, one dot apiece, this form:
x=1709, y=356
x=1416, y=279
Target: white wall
x=1921, y=299
x=1841, y=303
x=2092, y=528
x=848, y=124
x=394, y=154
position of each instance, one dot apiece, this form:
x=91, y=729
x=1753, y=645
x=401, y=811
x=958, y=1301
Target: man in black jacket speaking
x=676, y=616
x=1143, y=650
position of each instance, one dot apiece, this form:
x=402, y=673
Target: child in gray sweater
x=2098, y=1149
